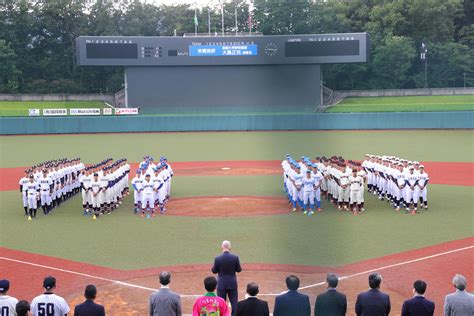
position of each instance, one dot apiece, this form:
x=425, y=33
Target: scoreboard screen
x=111, y=50
x=228, y=50
x=308, y=49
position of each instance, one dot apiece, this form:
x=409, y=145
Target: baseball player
x=399, y=188
x=46, y=190
x=296, y=179
x=7, y=303
x=319, y=178
x=137, y=182
x=411, y=197
x=23, y=181
x=85, y=180
x=32, y=192
x=48, y=303
x=164, y=160
x=344, y=190
x=148, y=197
x=423, y=179
x=308, y=183
x=96, y=187
x=356, y=185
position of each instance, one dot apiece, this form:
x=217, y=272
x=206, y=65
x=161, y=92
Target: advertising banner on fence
x=126, y=111
x=84, y=111
x=33, y=112
x=54, y=112
x=107, y=111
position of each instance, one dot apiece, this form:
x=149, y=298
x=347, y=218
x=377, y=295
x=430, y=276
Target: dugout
x=206, y=75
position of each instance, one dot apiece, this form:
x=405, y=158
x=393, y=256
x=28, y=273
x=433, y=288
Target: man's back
x=292, y=303
x=330, y=303
x=459, y=303
x=418, y=306
x=165, y=303
x=7, y=303
x=252, y=307
x=226, y=265
x=48, y=302
x=89, y=308
x=373, y=303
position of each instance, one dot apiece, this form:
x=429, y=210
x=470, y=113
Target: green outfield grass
x=405, y=104
x=20, y=108
x=125, y=241
x=427, y=145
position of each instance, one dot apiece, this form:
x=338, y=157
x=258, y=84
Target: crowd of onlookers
x=291, y=303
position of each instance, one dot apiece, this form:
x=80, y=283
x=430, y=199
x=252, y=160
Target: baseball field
x=228, y=185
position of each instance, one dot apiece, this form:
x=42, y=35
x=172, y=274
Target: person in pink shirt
x=210, y=304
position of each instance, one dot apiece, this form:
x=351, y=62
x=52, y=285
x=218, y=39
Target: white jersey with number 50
x=49, y=305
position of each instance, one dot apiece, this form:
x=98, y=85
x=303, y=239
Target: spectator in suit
x=331, y=302
x=418, y=305
x=292, y=303
x=226, y=265
x=252, y=306
x=373, y=302
x=460, y=302
x=22, y=308
x=165, y=302
x=89, y=308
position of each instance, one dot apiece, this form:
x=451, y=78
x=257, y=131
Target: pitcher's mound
x=222, y=206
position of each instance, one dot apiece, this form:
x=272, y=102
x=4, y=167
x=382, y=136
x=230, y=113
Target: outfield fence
x=191, y=123
x=403, y=92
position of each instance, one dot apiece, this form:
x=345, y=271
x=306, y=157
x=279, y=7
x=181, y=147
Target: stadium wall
x=316, y=121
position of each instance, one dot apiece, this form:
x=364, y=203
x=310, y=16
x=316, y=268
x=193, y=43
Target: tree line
x=37, y=38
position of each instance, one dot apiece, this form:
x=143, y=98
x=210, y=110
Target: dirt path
x=450, y=173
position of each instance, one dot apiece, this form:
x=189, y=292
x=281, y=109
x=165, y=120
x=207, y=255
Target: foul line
x=270, y=294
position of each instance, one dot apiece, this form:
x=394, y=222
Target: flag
x=196, y=23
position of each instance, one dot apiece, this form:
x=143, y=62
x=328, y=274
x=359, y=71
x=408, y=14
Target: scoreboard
x=215, y=51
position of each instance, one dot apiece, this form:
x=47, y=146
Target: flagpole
x=209, y=20
x=236, y=26
x=250, y=20
x=222, y=16
x=195, y=22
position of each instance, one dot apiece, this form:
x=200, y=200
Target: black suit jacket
x=226, y=265
x=330, y=303
x=372, y=303
x=252, y=307
x=418, y=306
x=89, y=308
x=292, y=303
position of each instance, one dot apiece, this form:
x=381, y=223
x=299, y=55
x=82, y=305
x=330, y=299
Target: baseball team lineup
x=400, y=182
x=340, y=182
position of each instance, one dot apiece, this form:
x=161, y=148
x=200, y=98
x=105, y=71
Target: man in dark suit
x=331, y=302
x=373, y=302
x=226, y=265
x=418, y=305
x=292, y=303
x=89, y=308
x=165, y=302
x=252, y=306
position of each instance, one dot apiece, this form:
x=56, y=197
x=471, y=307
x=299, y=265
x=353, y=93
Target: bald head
x=226, y=246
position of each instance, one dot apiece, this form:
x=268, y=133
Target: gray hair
x=459, y=282
x=226, y=244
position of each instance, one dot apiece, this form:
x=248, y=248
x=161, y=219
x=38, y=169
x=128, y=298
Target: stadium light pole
x=464, y=79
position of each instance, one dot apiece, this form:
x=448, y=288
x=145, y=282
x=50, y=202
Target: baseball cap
x=411, y=168
x=308, y=171
x=4, y=285
x=421, y=166
x=31, y=176
x=96, y=174
x=49, y=282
